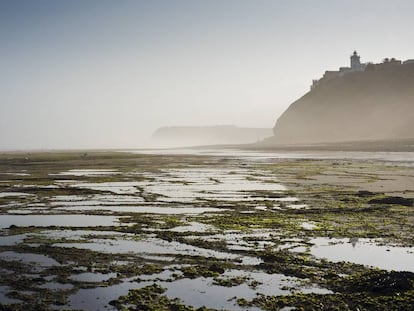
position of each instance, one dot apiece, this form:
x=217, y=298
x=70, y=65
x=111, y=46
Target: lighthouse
x=355, y=62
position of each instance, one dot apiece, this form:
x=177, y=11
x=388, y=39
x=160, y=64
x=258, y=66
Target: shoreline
x=404, y=145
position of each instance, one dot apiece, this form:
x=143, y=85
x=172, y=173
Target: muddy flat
x=207, y=230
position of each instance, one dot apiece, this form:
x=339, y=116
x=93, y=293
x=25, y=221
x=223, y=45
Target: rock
x=393, y=200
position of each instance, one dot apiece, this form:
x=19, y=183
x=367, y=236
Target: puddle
x=3, y=297
x=365, y=252
x=39, y=187
x=97, y=299
x=118, y=187
x=74, y=235
x=81, y=234
x=72, y=202
x=87, y=172
x=195, y=292
x=40, y=261
x=145, y=209
x=198, y=292
x=15, y=174
x=56, y=286
x=188, y=185
x=91, y=277
x=57, y=220
x=12, y=239
x=156, y=246
x=297, y=206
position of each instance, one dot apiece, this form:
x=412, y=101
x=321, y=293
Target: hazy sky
x=96, y=74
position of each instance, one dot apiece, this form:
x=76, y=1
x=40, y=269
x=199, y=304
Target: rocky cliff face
x=377, y=103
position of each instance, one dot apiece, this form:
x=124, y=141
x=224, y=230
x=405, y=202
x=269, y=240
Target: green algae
x=151, y=298
x=230, y=282
x=341, y=197
x=193, y=272
x=135, y=269
x=334, y=302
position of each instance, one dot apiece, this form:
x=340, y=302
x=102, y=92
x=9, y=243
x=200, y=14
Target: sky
x=106, y=74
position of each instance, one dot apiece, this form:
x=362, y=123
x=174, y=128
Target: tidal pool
x=57, y=220
x=150, y=209
x=92, y=277
x=188, y=185
x=9, y=240
x=117, y=187
x=54, y=286
x=154, y=246
x=197, y=292
x=64, y=201
x=78, y=235
x=4, y=299
x=97, y=299
x=15, y=174
x=87, y=172
x=39, y=261
x=364, y=252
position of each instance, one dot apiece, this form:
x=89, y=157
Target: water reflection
x=365, y=252
x=353, y=241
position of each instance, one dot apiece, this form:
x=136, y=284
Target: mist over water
x=100, y=74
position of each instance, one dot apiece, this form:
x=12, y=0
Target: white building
x=328, y=75
x=355, y=62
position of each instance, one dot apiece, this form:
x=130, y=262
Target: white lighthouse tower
x=355, y=62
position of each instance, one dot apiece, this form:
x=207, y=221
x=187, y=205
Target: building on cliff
x=356, y=65
x=355, y=62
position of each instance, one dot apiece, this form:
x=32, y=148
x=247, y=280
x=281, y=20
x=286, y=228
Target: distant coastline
x=181, y=136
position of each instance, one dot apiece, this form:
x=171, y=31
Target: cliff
x=208, y=135
x=375, y=104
